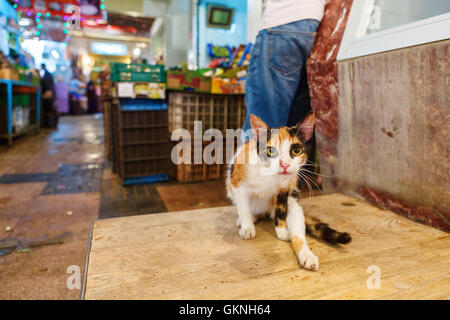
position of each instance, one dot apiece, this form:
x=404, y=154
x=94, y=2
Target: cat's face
x=284, y=153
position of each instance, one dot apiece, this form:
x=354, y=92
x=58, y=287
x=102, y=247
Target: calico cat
x=263, y=180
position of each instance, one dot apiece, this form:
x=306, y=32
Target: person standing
x=75, y=95
x=91, y=94
x=48, y=97
x=277, y=89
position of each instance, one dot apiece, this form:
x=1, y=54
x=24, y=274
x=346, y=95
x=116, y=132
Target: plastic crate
x=185, y=172
x=133, y=76
x=215, y=111
x=196, y=172
x=146, y=90
x=121, y=72
x=22, y=97
x=119, y=67
x=140, y=140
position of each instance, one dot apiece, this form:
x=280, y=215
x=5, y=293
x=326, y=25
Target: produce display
x=226, y=73
x=11, y=71
x=137, y=81
x=183, y=79
x=141, y=90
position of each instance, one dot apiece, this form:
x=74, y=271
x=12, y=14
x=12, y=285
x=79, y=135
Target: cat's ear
x=259, y=127
x=305, y=128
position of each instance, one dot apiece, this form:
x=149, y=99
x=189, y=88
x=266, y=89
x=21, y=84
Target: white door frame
x=423, y=31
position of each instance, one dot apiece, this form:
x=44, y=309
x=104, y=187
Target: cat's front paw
x=308, y=260
x=247, y=233
x=283, y=234
x=255, y=219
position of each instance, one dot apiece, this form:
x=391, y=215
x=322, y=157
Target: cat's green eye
x=296, y=150
x=271, y=152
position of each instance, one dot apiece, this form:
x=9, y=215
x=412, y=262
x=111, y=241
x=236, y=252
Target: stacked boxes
x=214, y=111
x=189, y=172
x=121, y=72
x=140, y=140
x=139, y=80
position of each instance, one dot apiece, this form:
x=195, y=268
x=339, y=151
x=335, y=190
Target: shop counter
x=199, y=255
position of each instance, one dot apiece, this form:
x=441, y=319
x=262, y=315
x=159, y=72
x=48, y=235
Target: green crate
x=21, y=100
x=133, y=67
x=23, y=77
x=138, y=76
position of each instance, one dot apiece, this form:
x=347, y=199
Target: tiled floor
x=39, y=207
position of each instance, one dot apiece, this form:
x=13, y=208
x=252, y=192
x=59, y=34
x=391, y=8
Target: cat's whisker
x=304, y=178
x=311, y=164
x=317, y=174
x=310, y=179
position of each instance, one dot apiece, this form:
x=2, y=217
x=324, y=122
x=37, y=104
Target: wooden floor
x=198, y=255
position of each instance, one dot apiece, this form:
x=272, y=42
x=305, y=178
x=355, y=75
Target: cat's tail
x=317, y=229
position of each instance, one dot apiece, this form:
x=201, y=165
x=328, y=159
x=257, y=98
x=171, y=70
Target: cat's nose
x=284, y=165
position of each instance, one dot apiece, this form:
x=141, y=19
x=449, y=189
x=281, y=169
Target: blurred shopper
x=47, y=84
x=91, y=94
x=62, y=95
x=75, y=95
x=50, y=114
x=276, y=89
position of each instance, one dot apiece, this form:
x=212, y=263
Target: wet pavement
x=49, y=195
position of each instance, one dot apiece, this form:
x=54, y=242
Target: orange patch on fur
x=239, y=167
x=283, y=134
x=239, y=174
x=229, y=189
x=281, y=224
x=297, y=244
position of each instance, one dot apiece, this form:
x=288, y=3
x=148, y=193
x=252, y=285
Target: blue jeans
x=277, y=89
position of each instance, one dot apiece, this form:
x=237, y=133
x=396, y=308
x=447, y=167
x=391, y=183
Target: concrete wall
x=254, y=17
x=394, y=128
x=177, y=32
x=383, y=122
x=234, y=36
x=121, y=6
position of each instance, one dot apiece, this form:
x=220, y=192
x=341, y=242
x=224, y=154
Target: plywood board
x=198, y=255
x=192, y=196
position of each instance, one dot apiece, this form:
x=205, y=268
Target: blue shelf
x=142, y=104
x=9, y=95
x=146, y=179
x=19, y=83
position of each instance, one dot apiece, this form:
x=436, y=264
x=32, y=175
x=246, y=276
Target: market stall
x=20, y=93
x=140, y=115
